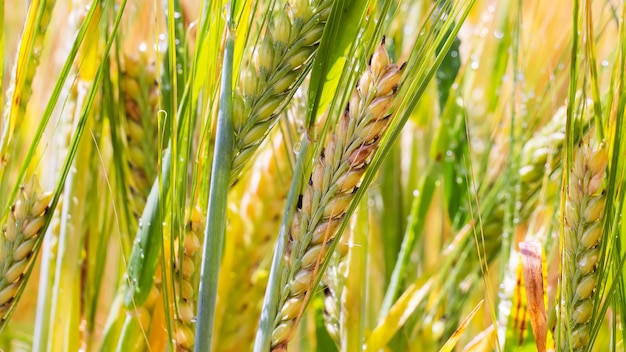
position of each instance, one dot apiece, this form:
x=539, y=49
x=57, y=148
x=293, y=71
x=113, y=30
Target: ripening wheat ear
x=582, y=233
x=20, y=234
x=185, y=283
x=139, y=94
x=330, y=190
x=283, y=54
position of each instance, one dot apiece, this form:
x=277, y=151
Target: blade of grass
x=398, y=314
x=454, y=339
x=216, y=212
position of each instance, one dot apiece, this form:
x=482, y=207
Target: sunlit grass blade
x=454, y=339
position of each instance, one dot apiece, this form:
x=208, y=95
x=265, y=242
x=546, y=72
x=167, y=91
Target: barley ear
x=582, y=234
x=330, y=190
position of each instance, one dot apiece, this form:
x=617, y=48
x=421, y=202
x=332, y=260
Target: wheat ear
x=139, y=94
x=582, y=233
x=282, y=56
x=20, y=235
x=185, y=281
x=260, y=213
x=541, y=156
x=330, y=190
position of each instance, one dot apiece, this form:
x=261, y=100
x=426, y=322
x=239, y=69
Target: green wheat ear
x=283, y=55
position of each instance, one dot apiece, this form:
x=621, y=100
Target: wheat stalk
x=582, y=233
x=20, y=235
x=283, y=55
x=330, y=190
x=260, y=212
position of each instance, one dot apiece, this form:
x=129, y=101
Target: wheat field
x=312, y=175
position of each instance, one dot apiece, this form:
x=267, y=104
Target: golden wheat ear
x=584, y=209
x=19, y=236
x=336, y=174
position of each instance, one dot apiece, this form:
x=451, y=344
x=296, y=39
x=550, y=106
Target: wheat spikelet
x=283, y=54
x=584, y=209
x=260, y=212
x=186, y=289
x=330, y=190
x=20, y=235
x=139, y=95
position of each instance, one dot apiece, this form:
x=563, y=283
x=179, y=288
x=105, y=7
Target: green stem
x=216, y=212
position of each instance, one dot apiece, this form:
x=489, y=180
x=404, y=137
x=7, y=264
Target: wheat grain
x=331, y=186
x=20, y=236
x=582, y=234
x=284, y=53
